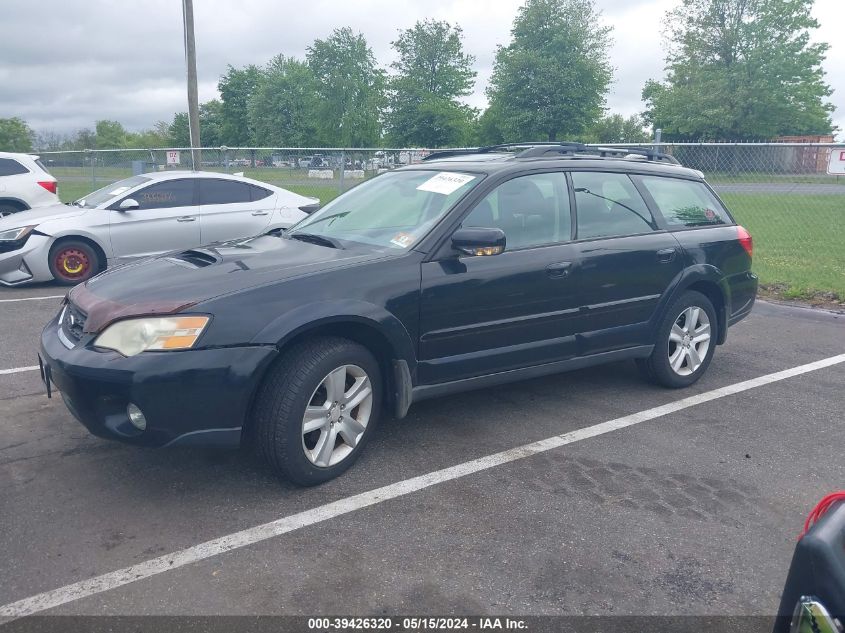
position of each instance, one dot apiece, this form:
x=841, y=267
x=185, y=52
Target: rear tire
x=319, y=384
x=73, y=262
x=686, y=341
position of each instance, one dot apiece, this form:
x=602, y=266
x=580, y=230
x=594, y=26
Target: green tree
x=741, y=69
x=551, y=80
x=350, y=89
x=15, y=135
x=236, y=88
x=615, y=128
x=282, y=109
x=432, y=73
x=110, y=135
x=179, y=134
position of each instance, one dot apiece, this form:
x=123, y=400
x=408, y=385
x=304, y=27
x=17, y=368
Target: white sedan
x=138, y=217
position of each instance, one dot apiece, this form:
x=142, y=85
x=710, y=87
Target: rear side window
x=11, y=167
x=609, y=205
x=214, y=191
x=259, y=193
x=684, y=202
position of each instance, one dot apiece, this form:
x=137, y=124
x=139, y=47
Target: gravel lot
x=692, y=512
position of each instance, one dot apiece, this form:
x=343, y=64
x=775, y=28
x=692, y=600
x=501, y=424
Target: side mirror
x=310, y=208
x=479, y=241
x=127, y=204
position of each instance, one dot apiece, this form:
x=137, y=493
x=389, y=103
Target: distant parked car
x=138, y=217
x=24, y=184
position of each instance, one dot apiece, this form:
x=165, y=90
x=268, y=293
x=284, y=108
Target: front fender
x=312, y=315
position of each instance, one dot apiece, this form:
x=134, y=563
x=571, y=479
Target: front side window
x=609, y=205
x=394, y=210
x=11, y=167
x=532, y=210
x=684, y=202
x=163, y=195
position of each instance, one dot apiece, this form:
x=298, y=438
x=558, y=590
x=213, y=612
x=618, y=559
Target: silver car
x=138, y=217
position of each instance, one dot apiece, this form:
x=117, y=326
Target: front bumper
x=27, y=264
x=198, y=396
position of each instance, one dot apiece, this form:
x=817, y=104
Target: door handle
x=186, y=218
x=260, y=213
x=666, y=255
x=558, y=269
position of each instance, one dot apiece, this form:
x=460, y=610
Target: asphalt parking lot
x=695, y=511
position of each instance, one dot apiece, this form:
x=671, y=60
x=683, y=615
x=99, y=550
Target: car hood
x=40, y=215
x=175, y=281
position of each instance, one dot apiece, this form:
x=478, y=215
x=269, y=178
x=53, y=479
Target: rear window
x=685, y=202
x=11, y=167
x=41, y=166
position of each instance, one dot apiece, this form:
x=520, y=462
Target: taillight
x=49, y=185
x=745, y=240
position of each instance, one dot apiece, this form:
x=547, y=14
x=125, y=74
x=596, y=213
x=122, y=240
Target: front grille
x=73, y=322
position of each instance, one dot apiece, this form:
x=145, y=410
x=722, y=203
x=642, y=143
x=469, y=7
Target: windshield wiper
x=314, y=239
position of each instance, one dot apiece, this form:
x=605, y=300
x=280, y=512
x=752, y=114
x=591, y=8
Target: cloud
x=64, y=65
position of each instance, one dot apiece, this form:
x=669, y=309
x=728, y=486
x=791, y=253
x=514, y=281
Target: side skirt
x=424, y=392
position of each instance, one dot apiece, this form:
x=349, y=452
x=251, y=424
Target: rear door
x=231, y=209
x=486, y=314
x=167, y=219
x=627, y=261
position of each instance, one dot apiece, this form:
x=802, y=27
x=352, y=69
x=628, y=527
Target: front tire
x=73, y=262
x=686, y=341
x=317, y=408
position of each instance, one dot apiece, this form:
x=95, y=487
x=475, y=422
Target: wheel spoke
x=677, y=359
x=335, y=385
x=677, y=333
x=702, y=334
x=350, y=431
x=692, y=319
x=315, y=418
x=357, y=393
x=322, y=452
x=694, y=358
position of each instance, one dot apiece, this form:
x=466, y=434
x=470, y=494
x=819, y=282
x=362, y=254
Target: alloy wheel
x=689, y=341
x=337, y=415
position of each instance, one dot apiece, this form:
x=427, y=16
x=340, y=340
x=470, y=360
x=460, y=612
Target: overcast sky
x=66, y=63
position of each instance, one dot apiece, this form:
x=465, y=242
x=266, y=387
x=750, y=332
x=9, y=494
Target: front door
x=167, y=219
x=485, y=314
x=627, y=262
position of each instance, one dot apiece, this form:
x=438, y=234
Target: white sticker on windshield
x=119, y=191
x=445, y=182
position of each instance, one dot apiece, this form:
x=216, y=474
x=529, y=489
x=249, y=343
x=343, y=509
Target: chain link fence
x=779, y=191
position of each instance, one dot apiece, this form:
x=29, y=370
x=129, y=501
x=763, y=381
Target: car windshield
x=394, y=210
x=109, y=192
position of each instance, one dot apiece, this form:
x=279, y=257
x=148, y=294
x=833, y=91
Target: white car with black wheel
x=25, y=184
x=140, y=216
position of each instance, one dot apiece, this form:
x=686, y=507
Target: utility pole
x=193, y=99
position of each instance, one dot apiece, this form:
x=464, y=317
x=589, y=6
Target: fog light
x=136, y=417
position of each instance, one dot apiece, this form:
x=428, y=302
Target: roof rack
x=544, y=148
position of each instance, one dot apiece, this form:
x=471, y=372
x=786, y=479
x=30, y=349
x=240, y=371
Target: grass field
x=799, y=240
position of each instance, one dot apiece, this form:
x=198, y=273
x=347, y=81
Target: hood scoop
x=197, y=258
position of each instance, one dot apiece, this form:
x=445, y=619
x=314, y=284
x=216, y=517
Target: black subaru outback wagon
x=471, y=269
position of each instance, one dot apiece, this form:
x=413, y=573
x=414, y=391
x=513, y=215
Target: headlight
x=134, y=336
x=13, y=235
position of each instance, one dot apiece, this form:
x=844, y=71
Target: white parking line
x=17, y=370
x=180, y=558
x=31, y=298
